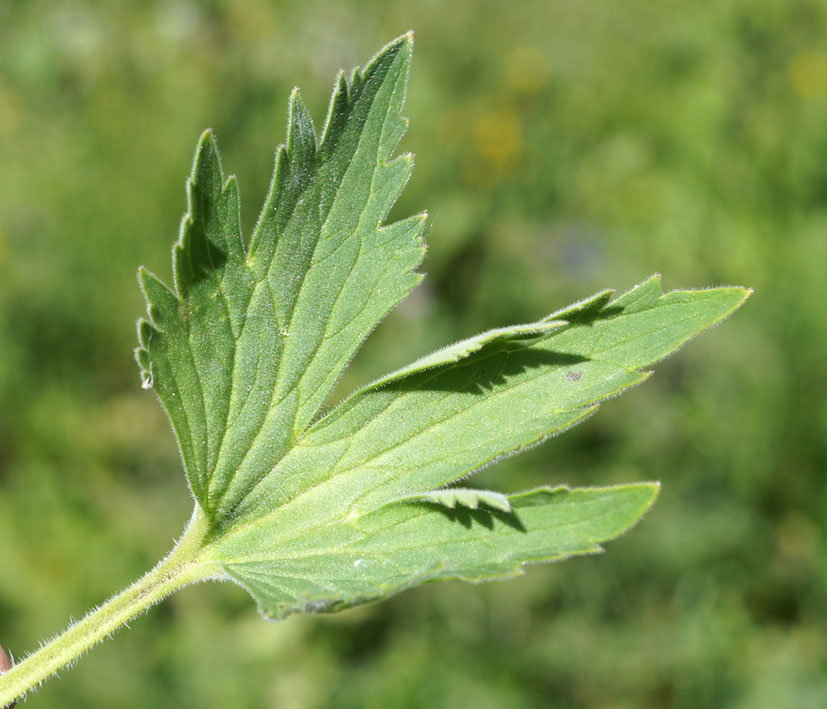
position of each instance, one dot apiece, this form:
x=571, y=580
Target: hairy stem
x=180, y=568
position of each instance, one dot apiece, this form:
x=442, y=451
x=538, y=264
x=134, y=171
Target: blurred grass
x=561, y=148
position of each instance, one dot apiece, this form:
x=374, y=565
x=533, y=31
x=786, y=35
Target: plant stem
x=180, y=568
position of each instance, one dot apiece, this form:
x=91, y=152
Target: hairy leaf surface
x=320, y=512
x=402, y=545
x=245, y=348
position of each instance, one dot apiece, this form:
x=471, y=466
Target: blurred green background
x=561, y=148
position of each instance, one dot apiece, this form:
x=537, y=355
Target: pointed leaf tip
x=301, y=133
x=207, y=136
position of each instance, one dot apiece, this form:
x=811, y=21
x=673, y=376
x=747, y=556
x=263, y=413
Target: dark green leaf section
x=401, y=545
x=244, y=349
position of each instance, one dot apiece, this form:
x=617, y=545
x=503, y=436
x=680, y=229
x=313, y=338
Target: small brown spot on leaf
x=573, y=376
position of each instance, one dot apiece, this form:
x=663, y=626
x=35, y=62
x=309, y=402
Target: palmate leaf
x=318, y=512
x=313, y=510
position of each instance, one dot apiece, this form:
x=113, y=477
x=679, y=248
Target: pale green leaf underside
x=403, y=438
x=413, y=433
x=401, y=545
x=313, y=513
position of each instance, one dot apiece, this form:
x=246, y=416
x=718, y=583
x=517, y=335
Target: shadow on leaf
x=203, y=258
x=484, y=515
x=491, y=366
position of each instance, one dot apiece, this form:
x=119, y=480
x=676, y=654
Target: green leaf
x=399, y=546
x=313, y=511
x=407, y=435
x=245, y=349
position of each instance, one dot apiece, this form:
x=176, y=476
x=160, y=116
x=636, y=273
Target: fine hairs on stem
x=5, y=666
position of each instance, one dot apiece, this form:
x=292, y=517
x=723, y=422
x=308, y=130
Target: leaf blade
x=218, y=347
x=425, y=428
x=399, y=546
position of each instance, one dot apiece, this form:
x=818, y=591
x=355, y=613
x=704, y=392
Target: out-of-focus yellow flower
x=527, y=70
x=807, y=74
x=499, y=138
